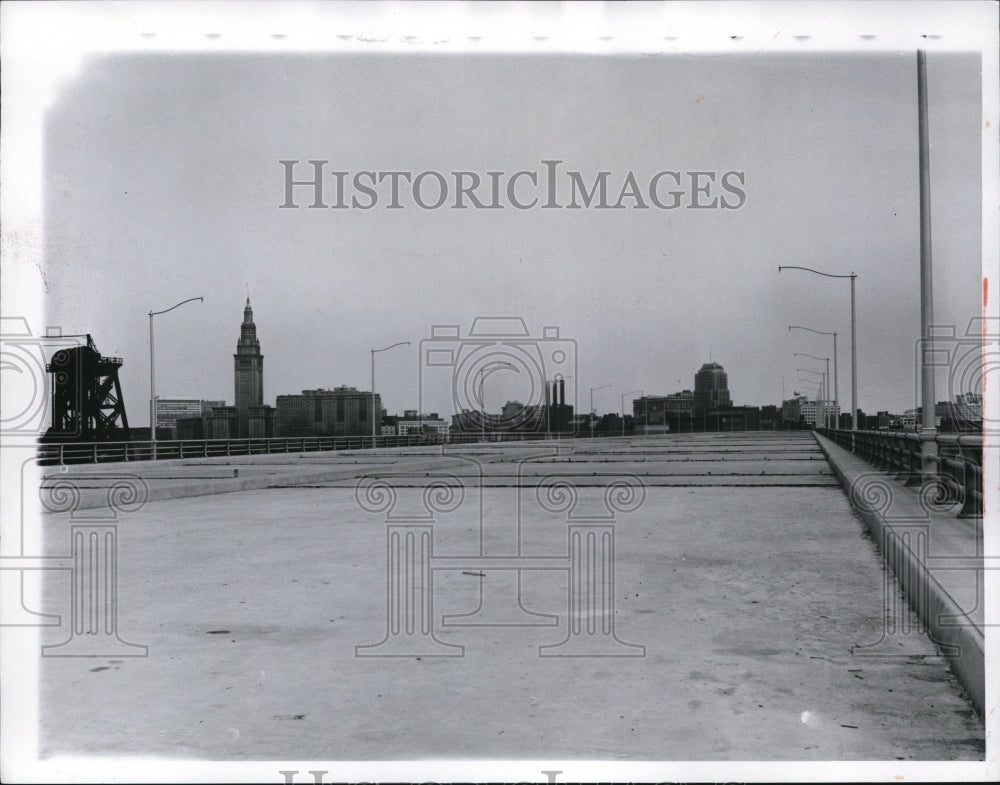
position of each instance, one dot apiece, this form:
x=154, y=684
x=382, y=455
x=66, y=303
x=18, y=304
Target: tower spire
x=249, y=370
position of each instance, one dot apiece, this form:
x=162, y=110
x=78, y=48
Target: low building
x=413, y=423
x=189, y=428
x=969, y=407
x=225, y=423
x=791, y=410
x=216, y=422
x=342, y=411
x=261, y=422
x=965, y=413
x=388, y=426
x=662, y=413
x=819, y=414
x=170, y=410
x=516, y=417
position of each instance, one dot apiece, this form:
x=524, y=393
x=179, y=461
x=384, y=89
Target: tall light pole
x=928, y=424
x=623, y=406
x=826, y=395
x=483, y=372
x=822, y=376
x=854, y=339
x=592, y=407
x=374, y=352
x=810, y=382
x=152, y=369
x=836, y=384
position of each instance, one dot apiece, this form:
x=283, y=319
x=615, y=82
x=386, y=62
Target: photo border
x=44, y=44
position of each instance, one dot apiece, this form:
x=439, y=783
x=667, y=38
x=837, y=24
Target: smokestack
x=549, y=395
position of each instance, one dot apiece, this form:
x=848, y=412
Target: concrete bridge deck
x=756, y=593
x=697, y=459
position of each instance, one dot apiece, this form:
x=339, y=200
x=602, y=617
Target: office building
x=711, y=388
x=414, y=423
x=791, y=411
x=819, y=414
x=342, y=411
x=170, y=410
x=663, y=413
x=260, y=422
x=224, y=422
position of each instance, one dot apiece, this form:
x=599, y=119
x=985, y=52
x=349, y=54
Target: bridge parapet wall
x=937, y=558
x=958, y=479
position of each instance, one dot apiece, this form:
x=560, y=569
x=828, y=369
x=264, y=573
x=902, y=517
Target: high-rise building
x=711, y=388
x=248, y=365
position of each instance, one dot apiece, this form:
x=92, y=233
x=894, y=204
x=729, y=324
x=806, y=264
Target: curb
x=926, y=596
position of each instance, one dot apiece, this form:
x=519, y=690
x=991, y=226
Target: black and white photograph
x=460, y=391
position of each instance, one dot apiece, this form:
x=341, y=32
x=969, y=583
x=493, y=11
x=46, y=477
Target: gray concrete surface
x=751, y=590
x=937, y=558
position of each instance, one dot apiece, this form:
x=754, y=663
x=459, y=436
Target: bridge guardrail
x=121, y=452
x=114, y=452
x=959, y=460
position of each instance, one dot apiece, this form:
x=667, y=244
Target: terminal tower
x=248, y=365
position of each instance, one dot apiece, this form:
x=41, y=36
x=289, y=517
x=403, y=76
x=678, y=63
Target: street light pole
x=826, y=393
x=827, y=418
x=374, y=352
x=152, y=369
x=854, y=363
x=623, y=407
x=822, y=376
x=810, y=382
x=854, y=340
x=836, y=383
x=826, y=403
x=152, y=387
x=592, y=407
x=928, y=423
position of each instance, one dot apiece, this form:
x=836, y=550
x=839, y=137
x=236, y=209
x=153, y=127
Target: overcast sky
x=162, y=182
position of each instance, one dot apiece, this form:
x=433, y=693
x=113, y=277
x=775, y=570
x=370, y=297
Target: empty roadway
x=739, y=567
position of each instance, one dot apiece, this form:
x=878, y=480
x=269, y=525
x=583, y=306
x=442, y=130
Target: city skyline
x=709, y=387
x=487, y=221
x=181, y=189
